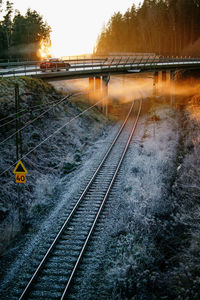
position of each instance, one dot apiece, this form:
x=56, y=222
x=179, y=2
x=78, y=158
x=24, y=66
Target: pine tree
x=165, y=27
x=21, y=36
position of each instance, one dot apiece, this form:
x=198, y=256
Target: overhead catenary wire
x=48, y=137
x=24, y=109
x=29, y=110
x=14, y=114
x=31, y=121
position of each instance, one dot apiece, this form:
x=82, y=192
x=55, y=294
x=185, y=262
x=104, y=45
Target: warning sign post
x=20, y=172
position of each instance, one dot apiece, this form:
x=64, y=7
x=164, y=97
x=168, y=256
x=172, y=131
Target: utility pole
x=18, y=149
x=17, y=118
x=18, y=124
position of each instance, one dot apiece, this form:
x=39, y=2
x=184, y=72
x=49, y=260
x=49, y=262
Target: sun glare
x=75, y=24
x=61, y=47
x=45, y=49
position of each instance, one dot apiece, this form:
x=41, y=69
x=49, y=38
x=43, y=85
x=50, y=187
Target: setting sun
x=76, y=24
x=100, y=149
x=45, y=49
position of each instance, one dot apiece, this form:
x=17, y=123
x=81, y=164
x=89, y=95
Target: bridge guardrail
x=35, y=62
x=115, y=63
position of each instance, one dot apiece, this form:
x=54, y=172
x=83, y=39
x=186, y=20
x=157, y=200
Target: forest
x=164, y=27
x=21, y=36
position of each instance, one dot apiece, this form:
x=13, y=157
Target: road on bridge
x=85, y=68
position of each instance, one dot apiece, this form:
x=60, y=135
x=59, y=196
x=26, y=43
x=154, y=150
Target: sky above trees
x=22, y=36
x=165, y=27
x=75, y=24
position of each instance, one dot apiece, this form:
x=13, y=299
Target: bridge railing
x=106, y=64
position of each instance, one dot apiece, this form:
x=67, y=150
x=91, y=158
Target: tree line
x=164, y=27
x=21, y=36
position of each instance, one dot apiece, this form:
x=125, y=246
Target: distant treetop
x=167, y=27
x=21, y=36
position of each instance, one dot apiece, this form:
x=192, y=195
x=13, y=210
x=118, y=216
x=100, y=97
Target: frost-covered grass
x=184, y=274
x=59, y=156
x=129, y=257
x=19, y=260
x=149, y=248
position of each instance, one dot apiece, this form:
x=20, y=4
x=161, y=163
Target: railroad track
x=55, y=273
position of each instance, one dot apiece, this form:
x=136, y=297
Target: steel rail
x=27, y=290
x=101, y=207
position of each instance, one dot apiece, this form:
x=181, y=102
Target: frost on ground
x=53, y=160
x=150, y=245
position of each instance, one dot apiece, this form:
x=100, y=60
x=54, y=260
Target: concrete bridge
x=99, y=70
x=86, y=68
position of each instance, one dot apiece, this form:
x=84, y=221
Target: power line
x=31, y=121
x=48, y=137
x=29, y=109
x=9, y=122
x=14, y=114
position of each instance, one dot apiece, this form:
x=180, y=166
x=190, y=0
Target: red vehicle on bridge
x=54, y=64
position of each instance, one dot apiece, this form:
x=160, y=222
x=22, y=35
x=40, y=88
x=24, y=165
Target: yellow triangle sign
x=20, y=169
